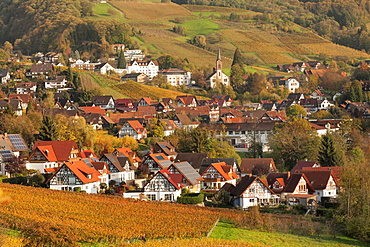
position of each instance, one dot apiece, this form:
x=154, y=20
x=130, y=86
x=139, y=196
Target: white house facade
x=149, y=68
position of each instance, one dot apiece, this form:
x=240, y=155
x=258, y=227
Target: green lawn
x=200, y=27
x=100, y=10
x=228, y=231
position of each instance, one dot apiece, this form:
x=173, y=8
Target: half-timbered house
x=252, y=191
x=154, y=162
x=52, y=154
x=323, y=182
x=75, y=175
x=183, y=173
x=297, y=185
x=165, y=147
x=160, y=188
x=134, y=129
x=119, y=167
x=217, y=174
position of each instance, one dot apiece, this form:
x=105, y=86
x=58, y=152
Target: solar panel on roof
x=87, y=161
x=17, y=141
x=159, y=157
x=162, y=146
x=6, y=154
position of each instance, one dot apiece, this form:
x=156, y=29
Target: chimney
x=288, y=175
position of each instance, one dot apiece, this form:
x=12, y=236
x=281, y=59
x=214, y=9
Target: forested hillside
x=58, y=25
x=343, y=22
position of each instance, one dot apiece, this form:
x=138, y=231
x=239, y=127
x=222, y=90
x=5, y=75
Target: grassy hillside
x=263, y=41
x=228, y=231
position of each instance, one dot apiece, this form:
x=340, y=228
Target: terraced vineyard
x=269, y=46
x=58, y=218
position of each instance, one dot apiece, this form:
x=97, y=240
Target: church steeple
x=219, y=61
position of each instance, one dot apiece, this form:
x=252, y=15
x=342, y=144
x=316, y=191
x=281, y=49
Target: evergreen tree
x=329, y=155
x=238, y=58
x=121, y=60
x=356, y=94
x=69, y=74
x=48, y=131
x=237, y=78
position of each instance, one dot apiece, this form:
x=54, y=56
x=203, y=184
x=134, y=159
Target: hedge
x=191, y=198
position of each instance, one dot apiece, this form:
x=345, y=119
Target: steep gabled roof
x=208, y=161
x=101, y=100
x=47, y=151
x=168, y=175
x=128, y=153
x=61, y=149
x=147, y=100
x=224, y=170
x=293, y=182
x=336, y=171
x=188, y=172
x=245, y=183
x=187, y=99
x=194, y=159
x=4, y=72
x=24, y=97
x=272, y=177
x=166, y=148
x=93, y=109
x=87, y=154
x=41, y=68
x=136, y=125
x=248, y=164
x=300, y=164
x=318, y=178
x=81, y=170
x=228, y=187
x=184, y=119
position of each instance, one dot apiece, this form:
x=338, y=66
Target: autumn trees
x=201, y=140
x=292, y=141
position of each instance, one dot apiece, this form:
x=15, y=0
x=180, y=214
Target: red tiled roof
x=168, y=175
x=225, y=171
x=154, y=157
x=336, y=171
x=248, y=164
x=61, y=149
x=24, y=97
x=318, y=179
x=81, y=170
x=300, y=164
x=129, y=153
x=136, y=125
x=94, y=109
x=47, y=151
x=293, y=182
x=87, y=154
x=245, y=183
